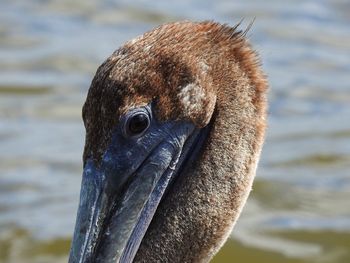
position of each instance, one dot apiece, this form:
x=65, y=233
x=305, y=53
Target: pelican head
x=175, y=122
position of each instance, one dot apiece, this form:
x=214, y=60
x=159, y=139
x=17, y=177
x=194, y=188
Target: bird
x=175, y=122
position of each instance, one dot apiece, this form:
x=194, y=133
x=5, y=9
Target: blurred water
x=49, y=50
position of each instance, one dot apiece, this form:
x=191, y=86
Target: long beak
x=117, y=207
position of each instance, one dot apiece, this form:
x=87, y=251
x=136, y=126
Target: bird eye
x=137, y=123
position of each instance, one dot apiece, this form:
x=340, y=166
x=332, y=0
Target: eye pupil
x=138, y=123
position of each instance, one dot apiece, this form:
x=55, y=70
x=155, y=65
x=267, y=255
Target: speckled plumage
x=198, y=72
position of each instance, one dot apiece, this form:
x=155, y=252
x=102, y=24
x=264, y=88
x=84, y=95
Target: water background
x=49, y=50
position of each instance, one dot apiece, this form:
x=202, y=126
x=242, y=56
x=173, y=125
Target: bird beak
x=120, y=195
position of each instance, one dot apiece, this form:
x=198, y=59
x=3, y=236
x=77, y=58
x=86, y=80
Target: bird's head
x=148, y=114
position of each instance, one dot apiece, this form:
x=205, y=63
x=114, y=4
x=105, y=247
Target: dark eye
x=136, y=124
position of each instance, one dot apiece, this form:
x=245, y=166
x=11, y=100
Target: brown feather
x=198, y=72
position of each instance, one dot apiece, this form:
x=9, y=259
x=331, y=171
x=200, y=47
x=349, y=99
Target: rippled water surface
x=49, y=50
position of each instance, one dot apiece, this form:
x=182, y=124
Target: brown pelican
x=175, y=122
